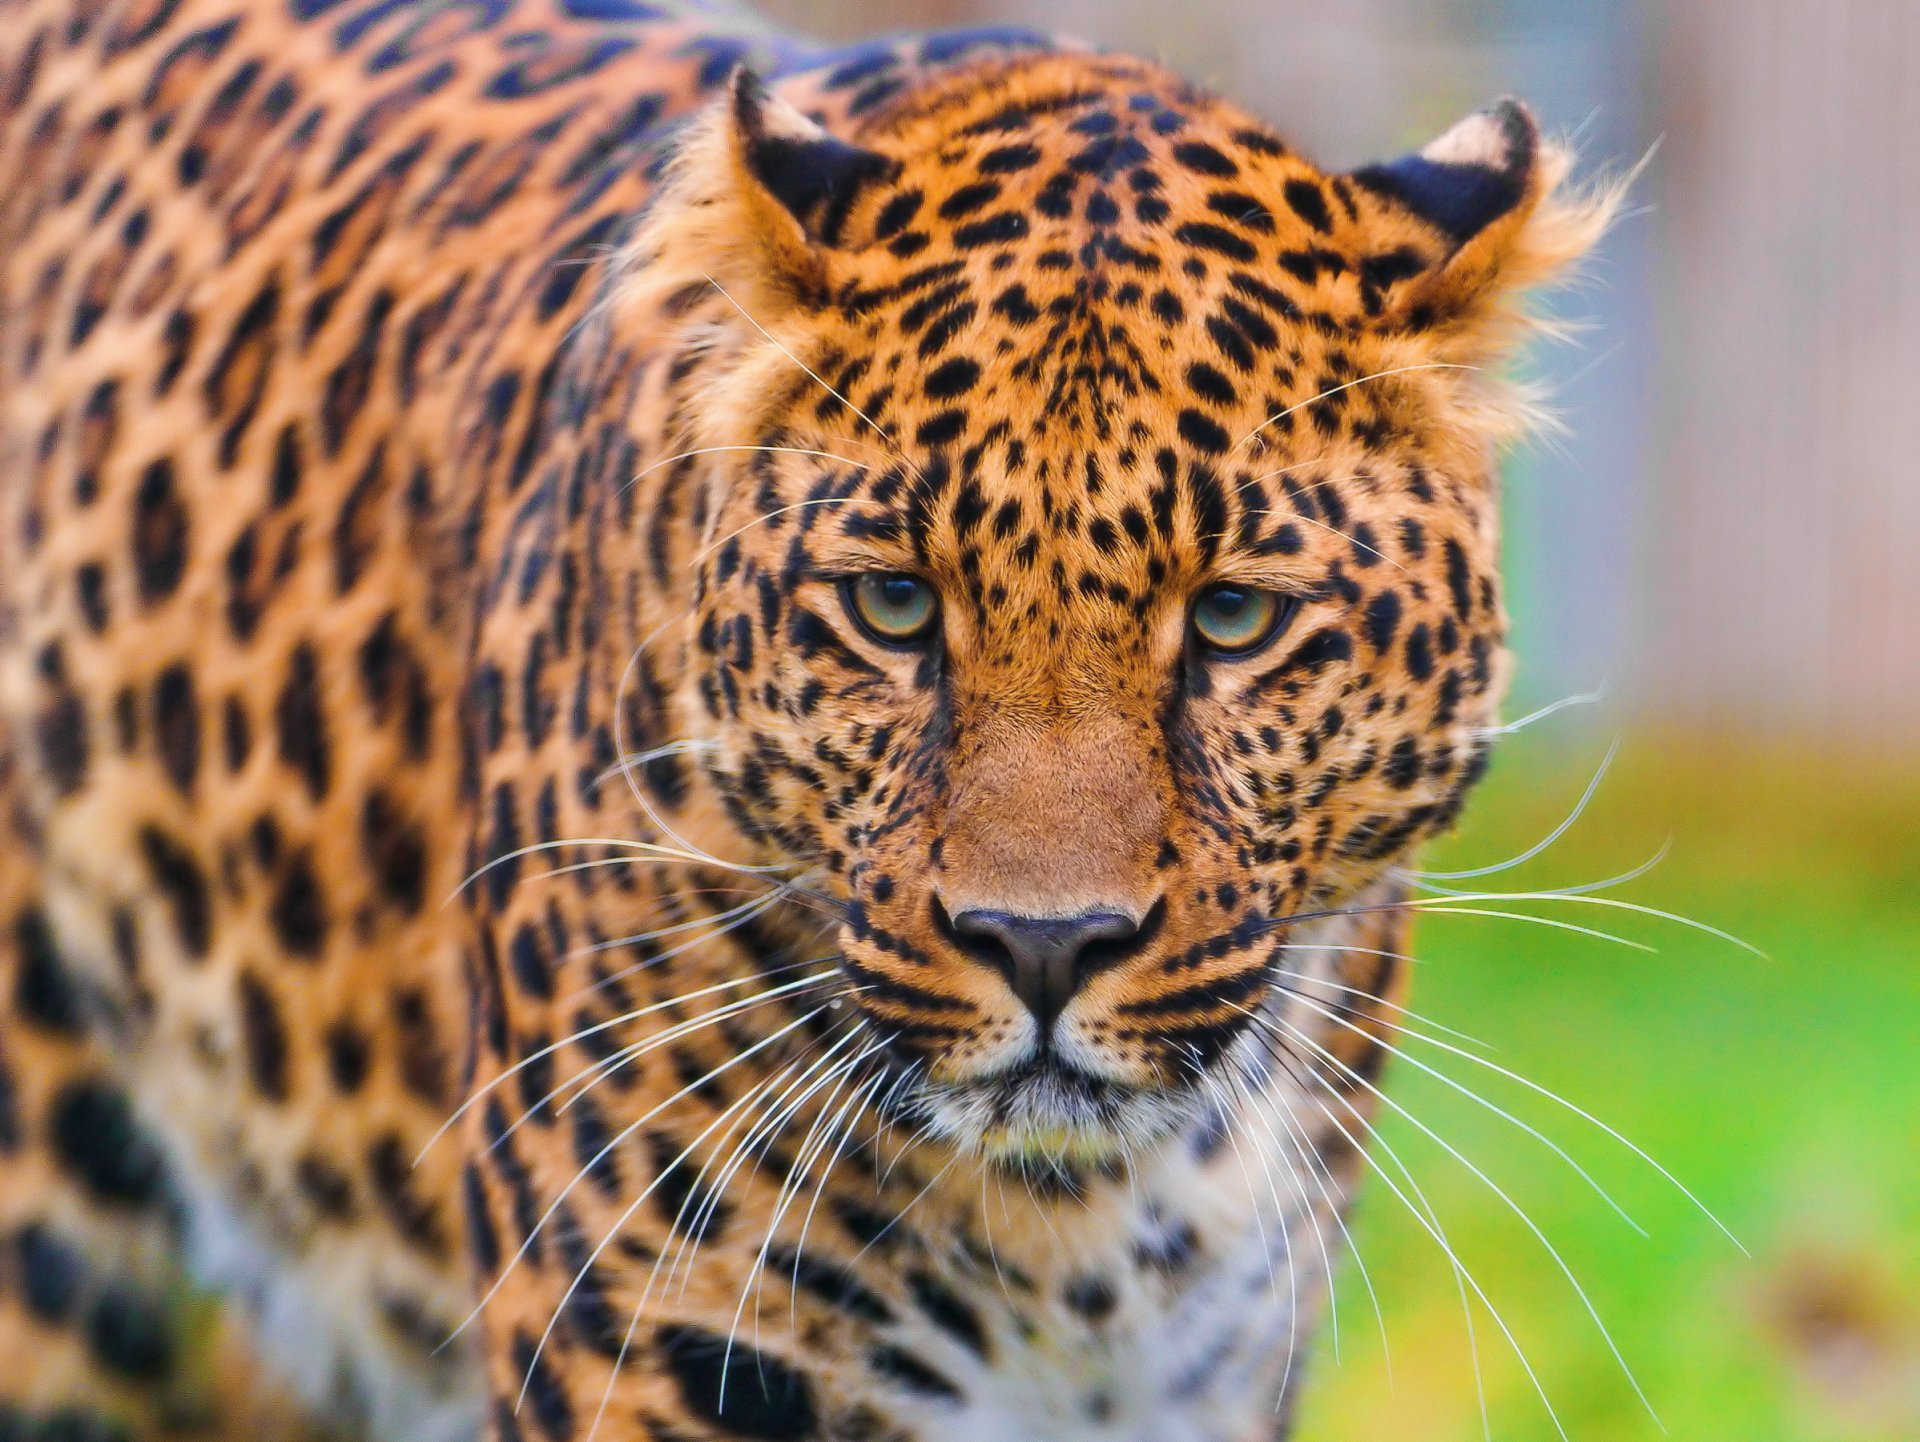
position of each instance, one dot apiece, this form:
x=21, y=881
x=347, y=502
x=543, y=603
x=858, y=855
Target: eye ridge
x=894, y=608
x=1231, y=621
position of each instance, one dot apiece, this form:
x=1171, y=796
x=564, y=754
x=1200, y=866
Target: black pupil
x=1230, y=602
x=899, y=591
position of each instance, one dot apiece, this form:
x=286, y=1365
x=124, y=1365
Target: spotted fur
x=470, y=875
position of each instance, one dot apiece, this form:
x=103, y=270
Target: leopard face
x=1098, y=559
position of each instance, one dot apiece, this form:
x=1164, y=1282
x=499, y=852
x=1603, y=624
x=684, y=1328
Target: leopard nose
x=1046, y=959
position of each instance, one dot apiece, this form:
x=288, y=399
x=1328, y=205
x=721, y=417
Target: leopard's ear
x=1493, y=199
x=757, y=194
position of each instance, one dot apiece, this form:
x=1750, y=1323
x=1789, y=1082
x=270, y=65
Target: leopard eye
x=893, y=608
x=1234, y=620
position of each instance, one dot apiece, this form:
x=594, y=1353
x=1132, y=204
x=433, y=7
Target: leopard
x=709, y=736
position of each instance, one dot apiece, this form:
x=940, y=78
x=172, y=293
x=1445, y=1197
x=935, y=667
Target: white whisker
x=1439, y=1237
x=1526, y=1220
x=481, y=1092
x=810, y=372
x=627, y=1216
x=1579, y=808
x=1347, y=386
x=648, y=470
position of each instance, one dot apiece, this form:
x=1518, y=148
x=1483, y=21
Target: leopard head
x=1098, y=560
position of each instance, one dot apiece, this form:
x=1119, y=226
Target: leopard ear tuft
x=1493, y=197
x=755, y=198
x=813, y=175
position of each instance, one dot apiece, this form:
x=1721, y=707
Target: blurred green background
x=1723, y=544
x=1784, y=1092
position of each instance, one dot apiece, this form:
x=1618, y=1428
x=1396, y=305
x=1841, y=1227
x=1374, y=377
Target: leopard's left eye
x=1232, y=620
x=892, y=607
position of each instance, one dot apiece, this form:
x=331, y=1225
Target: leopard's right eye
x=892, y=607
x=1233, y=621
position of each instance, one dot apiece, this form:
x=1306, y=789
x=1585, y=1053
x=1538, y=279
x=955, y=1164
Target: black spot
x=999, y=229
x=1403, y=764
x=832, y=1283
x=969, y=198
x=948, y=1312
x=236, y=733
x=326, y=1186
x=592, y=1313
x=941, y=428
x=265, y=1036
x=483, y=1238
x=763, y=1398
x=52, y=1272
x=96, y=1136
x=546, y=1394
x=1203, y=235
x=1210, y=383
x=423, y=1063
x=44, y=988
x=176, y=725
x=159, y=533
x=390, y=1166
x=301, y=721
x=1420, y=652
x=90, y=584
x=64, y=741
x=395, y=850
x=1008, y=159
x=594, y=1149
x=352, y=380
x=1203, y=433
x=1206, y=159
x=1092, y=1297
x=1309, y=202
x=362, y=518
x=288, y=467
x=184, y=885
x=178, y=342
x=1459, y=579
x=299, y=910
x=951, y=378
x=529, y=961
x=1383, y=619
x=897, y=1364
x=895, y=214
x=238, y=379
x=129, y=1332
x=348, y=1056
x=683, y=1202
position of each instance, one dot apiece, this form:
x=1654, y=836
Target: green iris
x=1233, y=620
x=893, y=608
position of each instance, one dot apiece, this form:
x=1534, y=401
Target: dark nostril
x=1046, y=959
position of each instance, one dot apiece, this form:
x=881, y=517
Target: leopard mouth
x=1046, y=1109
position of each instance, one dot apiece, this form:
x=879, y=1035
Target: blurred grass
x=1785, y=1092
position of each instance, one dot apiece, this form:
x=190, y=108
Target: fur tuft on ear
x=754, y=197
x=1495, y=196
